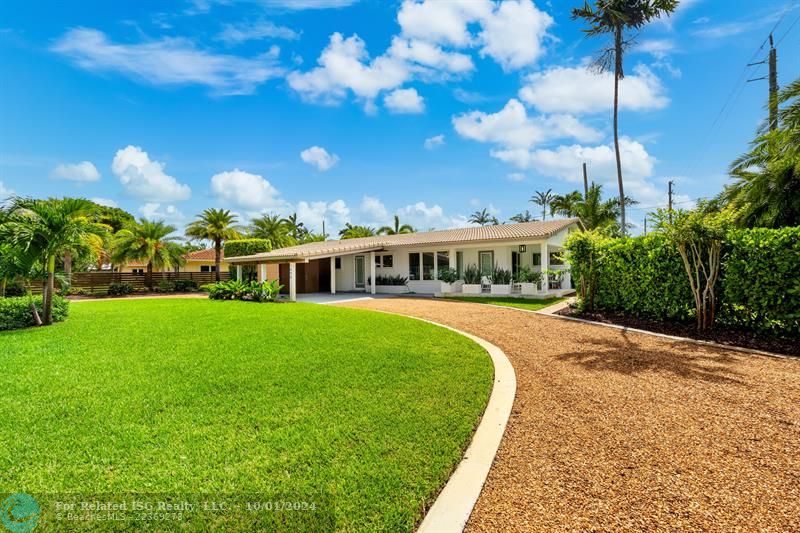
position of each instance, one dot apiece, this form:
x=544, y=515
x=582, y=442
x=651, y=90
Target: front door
x=361, y=272
x=486, y=263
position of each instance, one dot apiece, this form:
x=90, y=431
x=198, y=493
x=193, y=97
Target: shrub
x=16, y=313
x=472, y=275
x=15, y=289
x=246, y=247
x=166, y=285
x=120, y=289
x=391, y=280
x=448, y=275
x=239, y=290
x=185, y=285
x=526, y=275
x=500, y=276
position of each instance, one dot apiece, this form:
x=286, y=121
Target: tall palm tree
x=483, y=218
x=295, y=228
x=543, y=199
x=616, y=17
x=215, y=225
x=564, y=204
x=523, y=217
x=396, y=229
x=151, y=242
x=353, y=232
x=273, y=228
x=48, y=229
x=594, y=212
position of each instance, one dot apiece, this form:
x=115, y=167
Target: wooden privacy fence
x=98, y=282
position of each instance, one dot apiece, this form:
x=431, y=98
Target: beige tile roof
x=501, y=232
x=199, y=255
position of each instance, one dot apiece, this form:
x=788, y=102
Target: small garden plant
x=472, y=275
x=253, y=291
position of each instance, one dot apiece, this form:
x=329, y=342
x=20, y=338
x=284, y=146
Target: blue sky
x=349, y=110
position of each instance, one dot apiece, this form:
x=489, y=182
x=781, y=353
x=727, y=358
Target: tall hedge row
x=759, y=286
x=247, y=247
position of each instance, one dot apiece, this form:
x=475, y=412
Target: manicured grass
x=363, y=414
x=531, y=305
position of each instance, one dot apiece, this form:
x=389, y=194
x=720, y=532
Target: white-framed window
x=388, y=261
x=137, y=271
x=208, y=268
x=338, y=263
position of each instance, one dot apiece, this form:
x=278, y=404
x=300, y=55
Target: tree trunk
x=217, y=252
x=3, y=283
x=149, y=278
x=48, y=296
x=617, y=76
x=68, y=267
x=37, y=321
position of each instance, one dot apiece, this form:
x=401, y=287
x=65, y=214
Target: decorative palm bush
x=234, y=289
x=472, y=275
x=526, y=275
x=448, y=275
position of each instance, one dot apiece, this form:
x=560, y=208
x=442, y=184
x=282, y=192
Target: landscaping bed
x=364, y=415
x=720, y=334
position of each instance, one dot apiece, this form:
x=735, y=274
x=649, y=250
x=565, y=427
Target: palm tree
x=397, y=229
x=617, y=17
x=272, y=228
x=564, y=204
x=594, y=212
x=151, y=242
x=767, y=187
x=543, y=199
x=49, y=228
x=523, y=217
x=353, y=232
x=296, y=229
x=483, y=218
x=215, y=225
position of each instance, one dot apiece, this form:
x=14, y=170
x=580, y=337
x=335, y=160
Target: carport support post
x=333, y=275
x=239, y=272
x=372, y=272
x=292, y=282
x=545, y=266
x=263, y=268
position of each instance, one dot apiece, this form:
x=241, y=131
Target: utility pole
x=645, y=225
x=323, y=230
x=669, y=193
x=585, y=183
x=772, y=61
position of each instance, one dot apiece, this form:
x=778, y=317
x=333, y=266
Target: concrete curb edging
x=454, y=504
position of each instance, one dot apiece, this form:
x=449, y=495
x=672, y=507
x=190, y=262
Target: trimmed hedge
x=15, y=313
x=758, y=289
x=247, y=247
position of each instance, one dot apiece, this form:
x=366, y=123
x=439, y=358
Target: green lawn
x=521, y=303
x=363, y=415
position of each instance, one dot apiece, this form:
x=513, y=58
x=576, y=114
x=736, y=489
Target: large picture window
x=427, y=265
x=486, y=260
x=413, y=266
x=442, y=262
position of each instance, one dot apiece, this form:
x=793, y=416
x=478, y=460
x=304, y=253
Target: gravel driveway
x=618, y=430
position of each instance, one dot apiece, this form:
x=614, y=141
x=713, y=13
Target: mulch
x=615, y=429
x=720, y=334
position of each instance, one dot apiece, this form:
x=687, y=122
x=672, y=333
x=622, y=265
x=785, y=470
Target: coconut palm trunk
x=47, y=298
x=37, y=320
x=68, y=267
x=149, y=278
x=617, y=75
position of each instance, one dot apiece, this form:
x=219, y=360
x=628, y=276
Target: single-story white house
x=353, y=265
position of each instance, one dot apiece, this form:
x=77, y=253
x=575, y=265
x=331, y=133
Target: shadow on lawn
x=682, y=359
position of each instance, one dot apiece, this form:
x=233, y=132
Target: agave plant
x=472, y=275
x=500, y=276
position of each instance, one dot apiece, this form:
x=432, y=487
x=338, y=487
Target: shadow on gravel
x=682, y=359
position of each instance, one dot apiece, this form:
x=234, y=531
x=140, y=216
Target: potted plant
x=450, y=280
x=554, y=278
x=472, y=280
x=528, y=280
x=501, y=281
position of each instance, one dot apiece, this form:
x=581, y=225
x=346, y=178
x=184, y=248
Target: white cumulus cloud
x=107, y=202
x=143, y=178
x=513, y=34
x=319, y=157
x=434, y=142
x=374, y=209
x=579, y=90
x=83, y=171
x=404, y=101
x=335, y=214
x=168, y=213
x=250, y=191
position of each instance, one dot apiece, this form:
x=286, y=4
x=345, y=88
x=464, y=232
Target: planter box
x=452, y=287
x=391, y=289
x=501, y=289
x=529, y=288
x=471, y=289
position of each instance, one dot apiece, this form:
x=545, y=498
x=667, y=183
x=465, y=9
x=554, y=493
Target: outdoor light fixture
x=522, y=248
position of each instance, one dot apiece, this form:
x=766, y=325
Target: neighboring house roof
x=199, y=255
x=500, y=232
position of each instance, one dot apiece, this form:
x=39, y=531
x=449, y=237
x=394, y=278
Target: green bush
x=448, y=275
x=526, y=275
x=166, y=285
x=759, y=288
x=390, y=280
x=472, y=275
x=246, y=247
x=500, y=276
x=761, y=280
x=239, y=290
x=185, y=285
x=15, y=289
x=120, y=289
x=16, y=313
